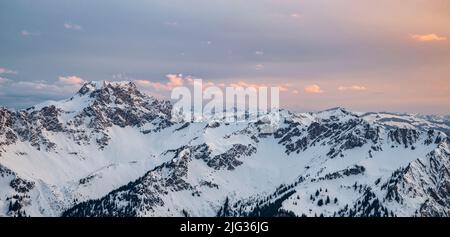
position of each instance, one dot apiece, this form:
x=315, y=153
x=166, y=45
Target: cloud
x=121, y=76
x=32, y=92
x=296, y=15
x=26, y=33
x=3, y=80
x=175, y=80
x=259, y=67
x=352, y=88
x=22, y=94
x=171, y=23
x=71, y=80
x=428, y=38
x=71, y=26
x=7, y=71
x=295, y=92
x=259, y=53
x=313, y=89
x=283, y=88
x=244, y=84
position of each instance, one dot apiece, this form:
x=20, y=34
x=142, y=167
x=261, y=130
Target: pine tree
x=327, y=201
x=320, y=203
x=185, y=213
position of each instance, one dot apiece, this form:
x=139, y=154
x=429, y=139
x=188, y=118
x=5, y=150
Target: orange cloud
x=313, y=89
x=175, y=80
x=283, y=88
x=428, y=38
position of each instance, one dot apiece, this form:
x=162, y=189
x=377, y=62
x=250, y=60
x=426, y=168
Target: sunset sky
x=364, y=55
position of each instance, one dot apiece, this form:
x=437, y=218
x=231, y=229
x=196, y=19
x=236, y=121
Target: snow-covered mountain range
x=110, y=150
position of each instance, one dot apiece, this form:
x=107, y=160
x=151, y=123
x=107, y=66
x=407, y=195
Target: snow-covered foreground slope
x=112, y=151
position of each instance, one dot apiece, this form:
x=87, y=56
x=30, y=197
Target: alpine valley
x=111, y=150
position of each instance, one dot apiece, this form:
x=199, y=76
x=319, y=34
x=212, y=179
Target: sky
x=363, y=55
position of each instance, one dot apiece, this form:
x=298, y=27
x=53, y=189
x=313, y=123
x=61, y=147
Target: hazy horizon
x=361, y=55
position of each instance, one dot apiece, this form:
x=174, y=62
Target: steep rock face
x=424, y=182
x=144, y=193
x=86, y=116
x=17, y=190
x=122, y=105
x=339, y=133
x=151, y=191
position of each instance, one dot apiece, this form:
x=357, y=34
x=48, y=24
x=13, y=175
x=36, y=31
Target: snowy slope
x=112, y=151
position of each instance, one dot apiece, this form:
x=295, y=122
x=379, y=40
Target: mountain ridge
x=110, y=150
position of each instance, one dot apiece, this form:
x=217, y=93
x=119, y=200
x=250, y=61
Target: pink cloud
x=71, y=80
x=246, y=84
x=7, y=71
x=25, y=33
x=283, y=88
x=313, y=89
x=3, y=80
x=175, y=80
x=149, y=84
x=259, y=67
x=352, y=88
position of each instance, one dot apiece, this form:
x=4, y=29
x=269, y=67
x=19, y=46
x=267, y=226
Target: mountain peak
x=335, y=112
x=100, y=85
